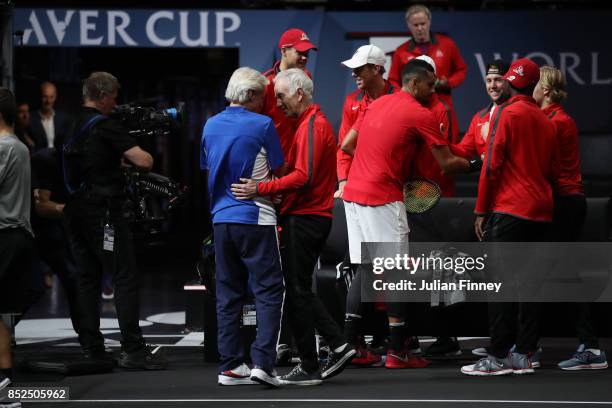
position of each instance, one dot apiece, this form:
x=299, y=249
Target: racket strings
x=420, y=196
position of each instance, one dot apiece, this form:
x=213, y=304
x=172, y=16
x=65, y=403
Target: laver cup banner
x=584, y=55
x=451, y=273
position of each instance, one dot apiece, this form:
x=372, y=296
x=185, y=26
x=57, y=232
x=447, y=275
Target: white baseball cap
x=366, y=54
x=428, y=60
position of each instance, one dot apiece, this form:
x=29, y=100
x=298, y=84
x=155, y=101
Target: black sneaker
x=444, y=347
x=99, y=355
x=413, y=345
x=147, y=358
x=283, y=355
x=299, y=376
x=336, y=362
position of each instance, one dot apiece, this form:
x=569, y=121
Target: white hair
x=296, y=79
x=243, y=80
x=418, y=8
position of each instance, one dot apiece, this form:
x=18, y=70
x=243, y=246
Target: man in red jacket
x=294, y=46
x=306, y=218
x=368, y=67
x=474, y=142
x=515, y=196
x=450, y=67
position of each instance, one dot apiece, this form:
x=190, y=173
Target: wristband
x=475, y=165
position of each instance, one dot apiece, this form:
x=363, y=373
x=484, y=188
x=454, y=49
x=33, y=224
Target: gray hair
x=243, y=80
x=297, y=79
x=98, y=83
x=418, y=8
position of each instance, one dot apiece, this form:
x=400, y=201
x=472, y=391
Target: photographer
x=99, y=145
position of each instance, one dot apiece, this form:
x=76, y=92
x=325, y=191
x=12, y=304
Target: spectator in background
x=15, y=229
x=22, y=125
x=49, y=127
x=450, y=67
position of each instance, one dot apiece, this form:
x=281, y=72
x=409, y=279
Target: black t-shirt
x=103, y=149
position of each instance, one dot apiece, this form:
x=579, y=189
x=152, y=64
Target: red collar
x=311, y=110
x=552, y=108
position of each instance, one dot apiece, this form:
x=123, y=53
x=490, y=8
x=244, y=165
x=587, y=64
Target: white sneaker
x=261, y=376
x=240, y=375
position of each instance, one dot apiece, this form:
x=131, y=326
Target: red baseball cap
x=523, y=73
x=296, y=38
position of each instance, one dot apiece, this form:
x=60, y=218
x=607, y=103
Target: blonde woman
x=570, y=207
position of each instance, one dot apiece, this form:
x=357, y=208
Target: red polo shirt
x=570, y=179
x=475, y=139
x=520, y=164
x=354, y=104
x=309, y=186
x=443, y=50
x=426, y=165
x=285, y=126
x=389, y=136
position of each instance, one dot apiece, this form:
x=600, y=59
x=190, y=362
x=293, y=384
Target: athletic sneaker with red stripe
x=404, y=360
x=489, y=366
x=240, y=375
x=365, y=357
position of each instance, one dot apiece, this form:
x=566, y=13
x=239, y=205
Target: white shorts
x=383, y=223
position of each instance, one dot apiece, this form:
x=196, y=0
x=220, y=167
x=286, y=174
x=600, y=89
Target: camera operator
x=101, y=238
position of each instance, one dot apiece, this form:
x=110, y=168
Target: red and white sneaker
x=240, y=375
x=365, y=357
x=404, y=360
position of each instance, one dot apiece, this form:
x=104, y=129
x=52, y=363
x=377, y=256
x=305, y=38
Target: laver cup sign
x=450, y=273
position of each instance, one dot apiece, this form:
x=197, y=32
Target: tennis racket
x=421, y=196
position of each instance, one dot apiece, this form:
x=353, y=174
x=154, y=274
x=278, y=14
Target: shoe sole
x=448, y=354
x=595, y=366
x=480, y=352
x=535, y=364
x=487, y=373
x=144, y=367
x=301, y=383
x=523, y=371
x=229, y=381
x=261, y=377
x=339, y=366
x=405, y=367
